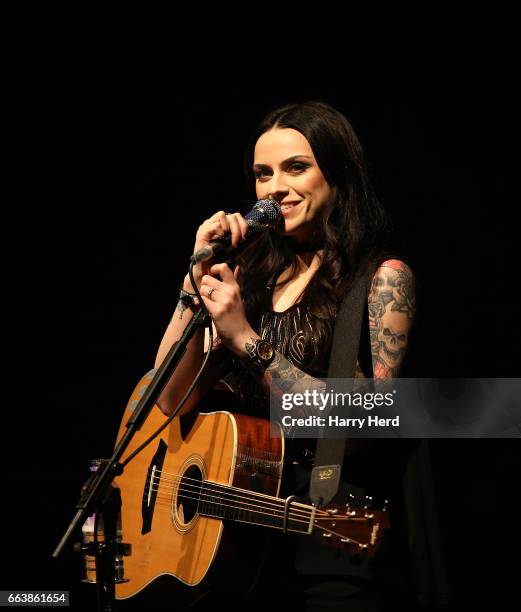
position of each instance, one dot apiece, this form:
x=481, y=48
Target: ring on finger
x=210, y=291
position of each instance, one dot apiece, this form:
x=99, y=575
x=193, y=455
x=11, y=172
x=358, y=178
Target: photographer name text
x=336, y=421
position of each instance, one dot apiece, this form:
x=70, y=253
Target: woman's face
x=286, y=170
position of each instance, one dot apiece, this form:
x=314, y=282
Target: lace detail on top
x=291, y=333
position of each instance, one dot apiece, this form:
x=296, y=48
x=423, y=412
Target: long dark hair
x=352, y=234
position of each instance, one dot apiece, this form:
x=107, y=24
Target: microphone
x=264, y=215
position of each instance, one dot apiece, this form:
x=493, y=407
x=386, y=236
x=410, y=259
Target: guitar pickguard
x=151, y=486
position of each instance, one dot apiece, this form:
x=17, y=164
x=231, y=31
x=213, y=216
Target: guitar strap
x=329, y=455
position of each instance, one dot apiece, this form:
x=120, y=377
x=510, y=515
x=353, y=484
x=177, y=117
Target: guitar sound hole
x=189, y=492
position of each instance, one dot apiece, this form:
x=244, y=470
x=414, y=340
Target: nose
x=275, y=189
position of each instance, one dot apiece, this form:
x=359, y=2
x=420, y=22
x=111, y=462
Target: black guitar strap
x=329, y=456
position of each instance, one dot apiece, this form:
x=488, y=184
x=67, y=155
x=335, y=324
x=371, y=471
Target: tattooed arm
x=297, y=380
x=391, y=313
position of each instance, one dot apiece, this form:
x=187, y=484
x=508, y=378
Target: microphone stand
x=99, y=493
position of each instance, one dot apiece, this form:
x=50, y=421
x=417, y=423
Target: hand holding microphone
x=220, y=292
x=264, y=215
x=222, y=233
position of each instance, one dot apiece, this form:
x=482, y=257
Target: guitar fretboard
x=244, y=506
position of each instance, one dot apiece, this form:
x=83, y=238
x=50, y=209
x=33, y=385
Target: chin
x=291, y=227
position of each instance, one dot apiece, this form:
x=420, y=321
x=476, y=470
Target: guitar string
x=167, y=506
x=291, y=521
x=252, y=495
x=276, y=504
x=274, y=513
x=229, y=491
x=259, y=499
x=217, y=486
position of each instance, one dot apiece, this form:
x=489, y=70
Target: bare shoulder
x=392, y=306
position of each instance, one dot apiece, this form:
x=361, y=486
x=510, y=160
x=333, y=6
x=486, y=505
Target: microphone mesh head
x=265, y=213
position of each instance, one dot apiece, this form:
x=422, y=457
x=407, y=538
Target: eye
x=294, y=168
x=259, y=173
x=297, y=167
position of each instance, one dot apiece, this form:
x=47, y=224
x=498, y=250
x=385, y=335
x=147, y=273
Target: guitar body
x=163, y=489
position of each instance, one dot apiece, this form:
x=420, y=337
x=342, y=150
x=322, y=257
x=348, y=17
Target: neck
x=309, y=260
x=307, y=263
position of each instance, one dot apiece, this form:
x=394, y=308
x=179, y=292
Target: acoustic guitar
x=194, y=498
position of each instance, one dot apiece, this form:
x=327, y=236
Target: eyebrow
x=284, y=162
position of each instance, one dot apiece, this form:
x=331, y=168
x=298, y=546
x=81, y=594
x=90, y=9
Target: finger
x=223, y=270
x=224, y=219
x=236, y=272
x=212, y=229
x=211, y=281
x=217, y=216
x=217, y=229
x=219, y=220
x=208, y=292
x=235, y=229
x=243, y=224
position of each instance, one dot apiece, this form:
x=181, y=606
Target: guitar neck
x=241, y=505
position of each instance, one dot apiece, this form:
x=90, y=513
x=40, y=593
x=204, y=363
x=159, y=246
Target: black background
x=116, y=159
